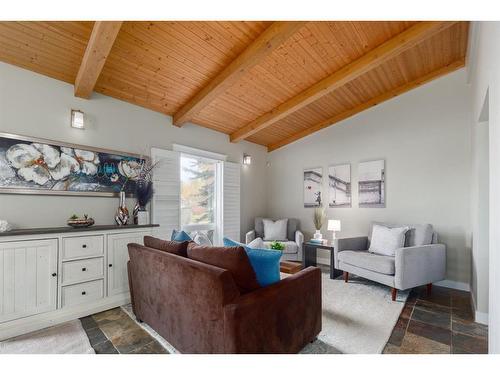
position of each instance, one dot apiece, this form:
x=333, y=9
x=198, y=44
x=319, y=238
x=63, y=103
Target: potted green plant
x=275, y=245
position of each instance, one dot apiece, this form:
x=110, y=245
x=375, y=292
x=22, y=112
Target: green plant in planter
x=275, y=245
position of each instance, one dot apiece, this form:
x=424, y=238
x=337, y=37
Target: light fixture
x=77, y=119
x=334, y=226
x=247, y=159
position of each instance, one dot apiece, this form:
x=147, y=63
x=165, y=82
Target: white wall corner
x=459, y=285
x=481, y=317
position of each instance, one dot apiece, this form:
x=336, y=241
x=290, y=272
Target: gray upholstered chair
x=293, y=245
x=421, y=262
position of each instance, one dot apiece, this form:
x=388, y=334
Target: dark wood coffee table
x=290, y=267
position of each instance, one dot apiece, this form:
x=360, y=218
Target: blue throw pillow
x=265, y=262
x=180, y=236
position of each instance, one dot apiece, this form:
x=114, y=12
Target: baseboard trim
x=481, y=317
x=454, y=285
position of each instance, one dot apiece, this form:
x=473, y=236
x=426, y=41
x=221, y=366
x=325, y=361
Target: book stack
x=319, y=241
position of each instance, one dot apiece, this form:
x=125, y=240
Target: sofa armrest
x=353, y=243
x=280, y=318
x=250, y=236
x=419, y=265
x=299, y=240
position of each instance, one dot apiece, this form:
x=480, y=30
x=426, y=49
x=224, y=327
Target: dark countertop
x=68, y=229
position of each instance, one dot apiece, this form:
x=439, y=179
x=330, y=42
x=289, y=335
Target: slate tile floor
x=114, y=332
x=441, y=323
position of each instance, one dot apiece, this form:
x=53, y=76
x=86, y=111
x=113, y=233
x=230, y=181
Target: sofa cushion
x=172, y=247
x=291, y=247
x=275, y=230
x=291, y=228
x=180, y=236
x=369, y=261
x=234, y=259
x=265, y=262
x=386, y=240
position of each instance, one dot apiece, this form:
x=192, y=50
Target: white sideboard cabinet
x=52, y=275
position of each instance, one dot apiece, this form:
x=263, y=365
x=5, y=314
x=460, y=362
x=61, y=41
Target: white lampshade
x=334, y=225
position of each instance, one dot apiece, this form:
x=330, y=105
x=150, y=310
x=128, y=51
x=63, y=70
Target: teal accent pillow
x=265, y=262
x=180, y=236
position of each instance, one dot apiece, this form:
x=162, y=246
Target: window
x=201, y=200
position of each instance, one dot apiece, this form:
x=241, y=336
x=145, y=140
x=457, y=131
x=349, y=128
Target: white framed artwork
x=371, y=183
x=313, y=181
x=339, y=185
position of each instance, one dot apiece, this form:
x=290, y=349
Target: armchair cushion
x=291, y=228
x=369, y=261
x=386, y=240
x=417, y=235
x=275, y=230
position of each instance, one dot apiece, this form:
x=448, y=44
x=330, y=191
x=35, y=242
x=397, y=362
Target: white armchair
x=293, y=245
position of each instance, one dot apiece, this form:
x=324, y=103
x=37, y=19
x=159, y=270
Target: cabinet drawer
x=82, y=293
x=81, y=270
x=80, y=247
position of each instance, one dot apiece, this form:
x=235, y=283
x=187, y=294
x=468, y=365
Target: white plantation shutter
x=231, y=201
x=165, y=205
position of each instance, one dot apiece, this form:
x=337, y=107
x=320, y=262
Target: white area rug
x=358, y=318
x=66, y=338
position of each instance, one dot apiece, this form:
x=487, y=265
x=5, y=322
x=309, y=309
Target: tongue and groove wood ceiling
x=270, y=83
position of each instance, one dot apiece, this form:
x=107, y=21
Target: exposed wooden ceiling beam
x=101, y=40
x=371, y=103
x=274, y=36
x=390, y=49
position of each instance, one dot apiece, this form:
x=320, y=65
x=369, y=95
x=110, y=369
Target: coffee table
x=290, y=267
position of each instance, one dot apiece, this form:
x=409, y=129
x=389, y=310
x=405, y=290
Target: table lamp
x=334, y=226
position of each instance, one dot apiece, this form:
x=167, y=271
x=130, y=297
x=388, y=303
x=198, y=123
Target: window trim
x=199, y=152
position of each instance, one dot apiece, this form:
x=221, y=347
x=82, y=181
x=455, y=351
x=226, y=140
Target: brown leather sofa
x=198, y=308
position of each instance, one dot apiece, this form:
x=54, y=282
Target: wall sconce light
x=77, y=119
x=247, y=159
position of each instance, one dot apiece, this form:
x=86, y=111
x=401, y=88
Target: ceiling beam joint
x=99, y=45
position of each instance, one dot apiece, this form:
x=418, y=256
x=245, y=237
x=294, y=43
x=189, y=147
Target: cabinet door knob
x=83, y=293
x=110, y=265
x=84, y=269
x=54, y=274
x=84, y=246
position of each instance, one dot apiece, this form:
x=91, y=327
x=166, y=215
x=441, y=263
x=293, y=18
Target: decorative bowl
x=80, y=222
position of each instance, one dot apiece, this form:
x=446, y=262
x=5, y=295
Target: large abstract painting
x=371, y=177
x=313, y=179
x=39, y=166
x=339, y=185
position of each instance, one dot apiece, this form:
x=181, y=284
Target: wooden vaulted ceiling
x=270, y=83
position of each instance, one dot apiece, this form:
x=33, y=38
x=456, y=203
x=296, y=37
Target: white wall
x=480, y=220
x=34, y=105
x=485, y=78
x=424, y=137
